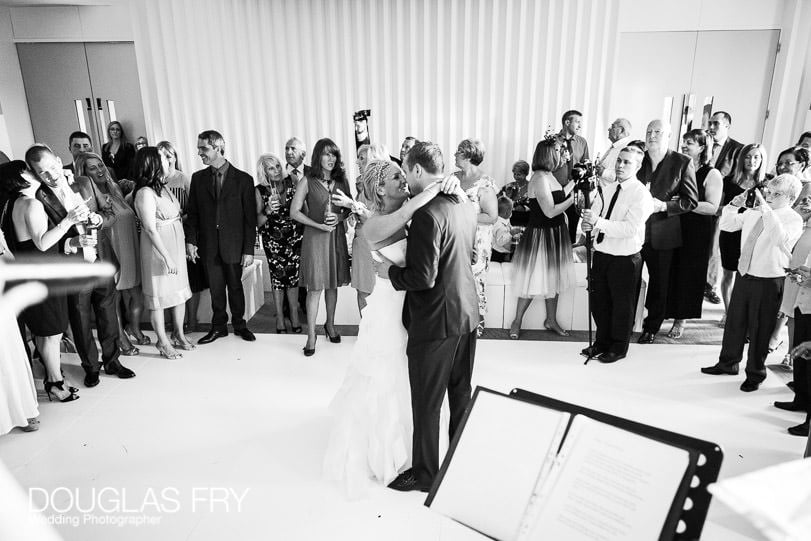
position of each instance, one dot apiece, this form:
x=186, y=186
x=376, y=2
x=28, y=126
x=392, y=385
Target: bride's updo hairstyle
x=373, y=176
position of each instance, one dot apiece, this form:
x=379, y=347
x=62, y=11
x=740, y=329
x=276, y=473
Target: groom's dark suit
x=441, y=312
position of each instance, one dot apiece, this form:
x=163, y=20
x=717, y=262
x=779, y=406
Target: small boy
x=502, y=232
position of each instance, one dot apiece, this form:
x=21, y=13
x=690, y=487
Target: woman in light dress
x=370, y=439
x=163, y=250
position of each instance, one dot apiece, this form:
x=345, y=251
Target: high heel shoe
x=559, y=331
x=131, y=352
x=296, y=330
x=676, y=331
x=168, y=353
x=186, y=346
x=33, y=425
x=144, y=340
x=56, y=389
x=514, y=332
x=309, y=352
x=281, y=330
x=335, y=339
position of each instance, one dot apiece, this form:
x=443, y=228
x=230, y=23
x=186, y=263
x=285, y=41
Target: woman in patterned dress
x=281, y=236
x=481, y=189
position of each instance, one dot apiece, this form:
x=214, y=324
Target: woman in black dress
x=281, y=236
x=118, y=153
x=517, y=191
x=750, y=171
x=26, y=229
x=686, y=292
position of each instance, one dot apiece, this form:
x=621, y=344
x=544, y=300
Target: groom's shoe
x=406, y=482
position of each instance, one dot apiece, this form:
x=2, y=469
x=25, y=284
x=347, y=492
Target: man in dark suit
x=57, y=194
x=725, y=152
x=78, y=142
x=440, y=312
x=294, y=154
x=668, y=174
x=221, y=230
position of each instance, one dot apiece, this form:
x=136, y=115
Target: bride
x=370, y=440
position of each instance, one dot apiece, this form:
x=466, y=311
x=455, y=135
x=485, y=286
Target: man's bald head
x=294, y=152
x=657, y=135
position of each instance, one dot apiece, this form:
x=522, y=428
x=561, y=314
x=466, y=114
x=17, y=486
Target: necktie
x=294, y=173
x=217, y=184
x=716, y=150
x=748, y=248
x=601, y=235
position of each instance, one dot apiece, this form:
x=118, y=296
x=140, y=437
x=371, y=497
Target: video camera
x=585, y=179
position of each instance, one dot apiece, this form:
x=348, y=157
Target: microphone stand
x=586, y=194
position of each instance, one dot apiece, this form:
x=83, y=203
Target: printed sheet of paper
x=503, y=448
x=776, y=500
x=608, y=484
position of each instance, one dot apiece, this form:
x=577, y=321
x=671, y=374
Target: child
x=502, y=232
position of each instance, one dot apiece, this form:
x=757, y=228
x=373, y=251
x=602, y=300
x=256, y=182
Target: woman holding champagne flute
x=281, y=236
x=324, y=254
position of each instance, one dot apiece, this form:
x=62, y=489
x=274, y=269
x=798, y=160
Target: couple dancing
x=417, y=338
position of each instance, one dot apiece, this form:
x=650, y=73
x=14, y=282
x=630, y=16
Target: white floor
x=239, y=416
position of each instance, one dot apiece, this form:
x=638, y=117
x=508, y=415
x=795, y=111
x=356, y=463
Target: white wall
x=38, y=24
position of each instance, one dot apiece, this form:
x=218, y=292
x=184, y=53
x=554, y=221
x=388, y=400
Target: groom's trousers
x=433, y=367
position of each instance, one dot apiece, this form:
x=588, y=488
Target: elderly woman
x=118, y=152
x=178, y=183
x=749, y=172
x=163, y=250
x=281, y=236
x=686, y=291
x=26, y=228
x=119, y=236
x=362, y=272
x=324, y=254
x=517, y=192
x=481, y=190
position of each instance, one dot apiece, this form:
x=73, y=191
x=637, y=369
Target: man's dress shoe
x=91, y=379
x=749, y=386
x=718, y=370
x=211, y=336
x=610, y=357
x=118, y=369
x=246, y=334
x=646, y=338
x=406, y=482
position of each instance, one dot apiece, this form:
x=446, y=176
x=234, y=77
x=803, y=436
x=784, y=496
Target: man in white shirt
x=619, y=133
x=769, y=232
x=617, y=220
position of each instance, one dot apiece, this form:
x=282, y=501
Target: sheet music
x=505, y=445
x=608, y=484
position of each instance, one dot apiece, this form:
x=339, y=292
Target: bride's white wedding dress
x=370, y=439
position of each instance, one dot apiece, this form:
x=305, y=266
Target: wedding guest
x=118, y=152
x=805, y=140
x=481, y=190
x=281, y=236
x=517, y=192
x=29, y=230
x=769, y=232
x=802, y=357
x=408, y=144
x=362, y=268
x=543, y=262
x=750, y=171
x=78, y=142
x=687, y=285
x=57, y=196
x=576, y=151
x=221, y=232
x=179, y=184
x=163, y=248
x=618, y=218
x=294, y=154
x=619, y=133
x=796, y=306
x=668, y=174
x=120, y=237
x=502, y=240
x=140, y=143
x=324, y=254
x=18, y=396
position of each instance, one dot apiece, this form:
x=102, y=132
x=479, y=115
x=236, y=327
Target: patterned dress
x=484, y=243
x=281, y=238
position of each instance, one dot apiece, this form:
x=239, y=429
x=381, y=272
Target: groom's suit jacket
x=441, y=298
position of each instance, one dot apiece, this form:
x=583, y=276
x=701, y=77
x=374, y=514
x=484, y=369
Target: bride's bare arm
x=380, y=227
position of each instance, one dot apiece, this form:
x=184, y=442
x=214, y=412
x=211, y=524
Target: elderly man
x=618, y=218
x=619, y=133
x=294, y=154
x=671, y=178
x=769, y=232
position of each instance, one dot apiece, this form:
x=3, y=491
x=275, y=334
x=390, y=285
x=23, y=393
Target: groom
x=441, y=311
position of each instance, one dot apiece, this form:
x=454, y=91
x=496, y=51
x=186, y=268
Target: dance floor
x=229, y=440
